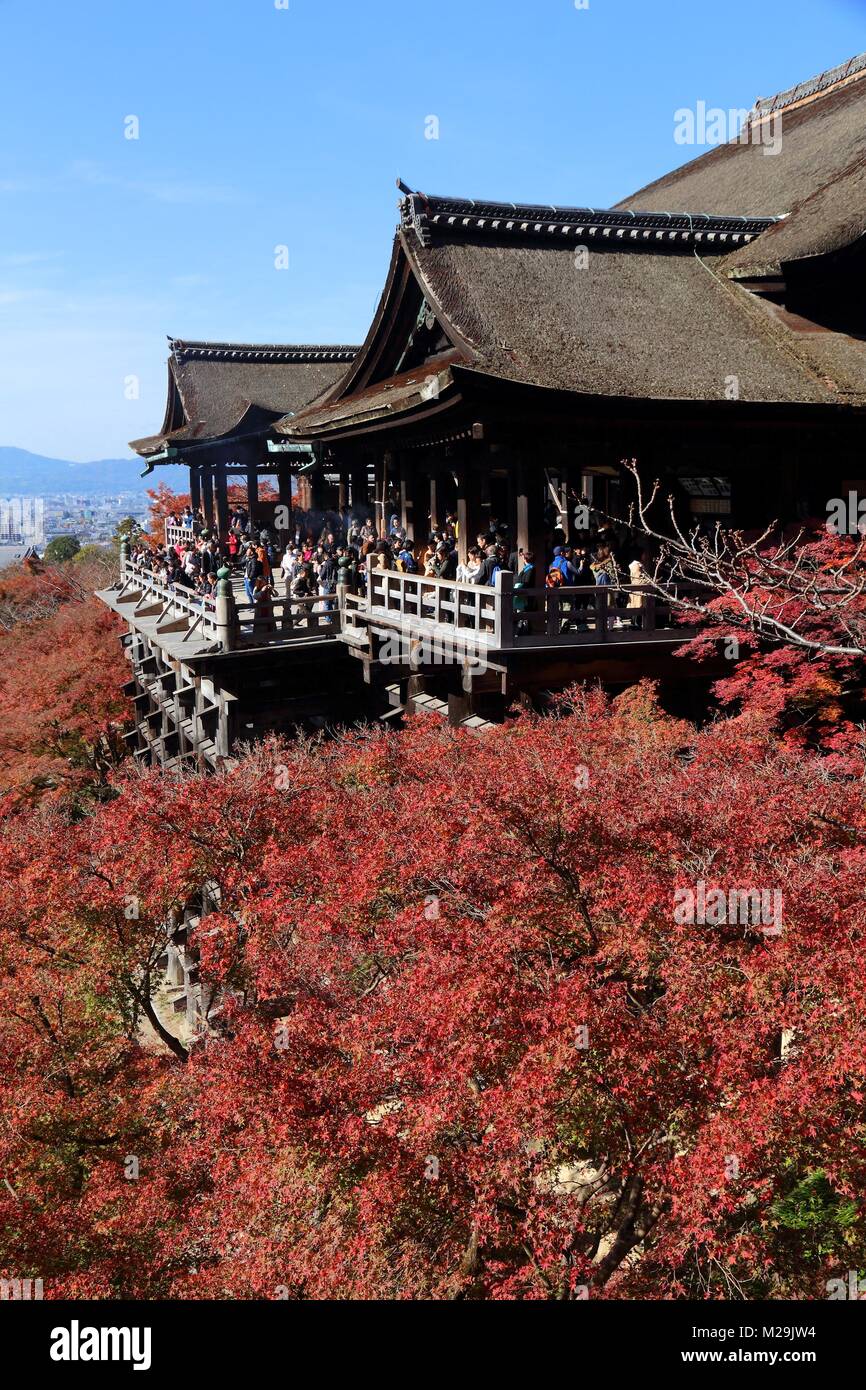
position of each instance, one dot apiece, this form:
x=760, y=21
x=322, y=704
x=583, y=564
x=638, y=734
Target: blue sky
x=262, y=126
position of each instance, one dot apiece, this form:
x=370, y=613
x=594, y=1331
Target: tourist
x=406, y=558
x=472, y=570
x=252, y=572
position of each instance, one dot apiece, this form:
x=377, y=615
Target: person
x=406, y=559
x=522, y=603
x=637, y=601
x=471, y=571
x=605, y=564
x=252, y=571
x=303, y=584
x=384, y=556
x=493, y=564
x=327, y=580
x=444, y=564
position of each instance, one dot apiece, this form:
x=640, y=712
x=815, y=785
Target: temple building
x=223, y=401
x=710, y=326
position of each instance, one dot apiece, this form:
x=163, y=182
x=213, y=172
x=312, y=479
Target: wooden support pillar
x=343, y=492
x=207, y=496
x=253, y=494
x=410, y=516
x=471, y=518
x=434, y=502
x=464, y=539
x=530, y=515
x=566, y=510
x=194, y=487
x=359, y=486
x=284, y=487
x=222, y=501
x=379, y=500
x=318, y=500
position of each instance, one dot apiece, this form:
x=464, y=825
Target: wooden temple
x=223, y=401
x=518, y=355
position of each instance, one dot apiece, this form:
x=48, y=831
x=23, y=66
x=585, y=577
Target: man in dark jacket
x=495, y=561
x=252, y=572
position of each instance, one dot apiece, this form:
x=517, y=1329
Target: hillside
x=30, y=475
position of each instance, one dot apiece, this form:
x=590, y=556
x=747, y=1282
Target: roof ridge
x=426, y=215
x=200, y=351
x=812, y=88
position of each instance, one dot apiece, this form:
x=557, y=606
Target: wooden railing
x=181, y=535
x=282, y=619
x=472, y=619
x=270, y=620
x=506, y=617
x=142, y=589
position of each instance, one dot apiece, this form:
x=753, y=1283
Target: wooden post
x=434, y=503
x=380, y=488
x=464, y=539
x=504, y=590
x=194, y=488
x=284, y=485
x=358, y=481
x=207, y=496
x=565, y=504
x=409, y=511
x=530, y=520
x=601, y=613
x=253, y=494
x=222, y=502
x=226, y=612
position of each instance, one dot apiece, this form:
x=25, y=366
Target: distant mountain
x=30, y=475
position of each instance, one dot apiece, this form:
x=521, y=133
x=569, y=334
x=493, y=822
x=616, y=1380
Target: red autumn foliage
x=461, y=1045
x=61, y=669
x=165, y=503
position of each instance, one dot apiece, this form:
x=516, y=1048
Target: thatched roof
x=652, y=326
x=220, y=389
x=597, y=303
x=815, y=175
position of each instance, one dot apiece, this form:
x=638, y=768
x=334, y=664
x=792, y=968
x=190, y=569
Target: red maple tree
x=457, y=1041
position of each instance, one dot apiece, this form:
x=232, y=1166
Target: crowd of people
x=329, y=551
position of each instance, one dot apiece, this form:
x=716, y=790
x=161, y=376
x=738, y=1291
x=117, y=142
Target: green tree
x=62, y=548
x=128, y=529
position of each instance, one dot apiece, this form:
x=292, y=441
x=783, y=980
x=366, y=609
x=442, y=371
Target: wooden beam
x=194, y=487
x=252, y=479
x=222, y=502
x=207, y=496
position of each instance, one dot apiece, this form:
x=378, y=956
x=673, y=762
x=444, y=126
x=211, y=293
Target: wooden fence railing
x=180, y=535
x=242, y=624
x=507, y=617
x=470, y=616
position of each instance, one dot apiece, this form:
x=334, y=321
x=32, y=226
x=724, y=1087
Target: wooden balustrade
x=181, y=535
x=272, y=619
x=471, y=617
x=505, y=618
